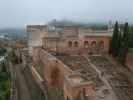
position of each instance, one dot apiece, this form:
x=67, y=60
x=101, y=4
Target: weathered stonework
x=70, y=39
x=76, y=77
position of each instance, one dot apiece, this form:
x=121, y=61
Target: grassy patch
x=4, y=85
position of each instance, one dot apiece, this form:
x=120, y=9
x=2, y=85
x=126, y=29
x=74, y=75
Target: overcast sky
x=18, y=13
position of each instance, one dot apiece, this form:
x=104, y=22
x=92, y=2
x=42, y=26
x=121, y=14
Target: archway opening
x=101, y=44
x=93, y=44
x=76, y=44
x=86, y=44
x=70, y=44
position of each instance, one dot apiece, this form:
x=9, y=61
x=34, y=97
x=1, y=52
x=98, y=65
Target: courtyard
x=119, y=82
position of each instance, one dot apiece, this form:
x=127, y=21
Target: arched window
x=86, y=44
x=70, y=44
x=101, y=44
x=76, y=44
x=93, y=43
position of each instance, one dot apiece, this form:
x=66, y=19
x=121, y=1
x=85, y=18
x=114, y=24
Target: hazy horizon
x=19, y=13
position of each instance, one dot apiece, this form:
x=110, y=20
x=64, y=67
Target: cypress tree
x=115, y=42
x=121, y=42
x=121, y=50
x=131, y=40
x=124, y=44
x=126, y=31
x=126, y=35
x=126, y=40
x=131, y=37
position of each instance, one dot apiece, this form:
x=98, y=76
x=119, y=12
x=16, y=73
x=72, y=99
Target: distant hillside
x=92, y=25
x=13, y=32
x=64, y=23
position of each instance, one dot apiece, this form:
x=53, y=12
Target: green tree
x=3, y=67
x=126, y=35
x=124, y=44
x=121, y=42
x=122, y=53
x=131, y=37
x=115, y=40
x=4, y=86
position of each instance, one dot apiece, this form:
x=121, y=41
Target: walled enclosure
x=56, y=74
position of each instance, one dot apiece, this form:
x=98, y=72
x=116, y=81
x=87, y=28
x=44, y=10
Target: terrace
x=78, y=64
x=119, y=82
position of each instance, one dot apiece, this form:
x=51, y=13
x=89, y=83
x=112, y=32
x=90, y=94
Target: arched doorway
x=76, y=44
x=70, y=44
x=86, y=44
x=93, y=44
x=101, y=46
x=94, y=47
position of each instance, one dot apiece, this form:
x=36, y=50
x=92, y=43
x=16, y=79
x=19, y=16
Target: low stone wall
x=37, y=77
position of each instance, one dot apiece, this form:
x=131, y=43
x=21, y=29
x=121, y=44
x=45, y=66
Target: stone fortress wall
x=45, y=42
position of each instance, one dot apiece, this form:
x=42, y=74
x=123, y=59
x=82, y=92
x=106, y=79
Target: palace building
x=59, y=59
x=69, y=39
